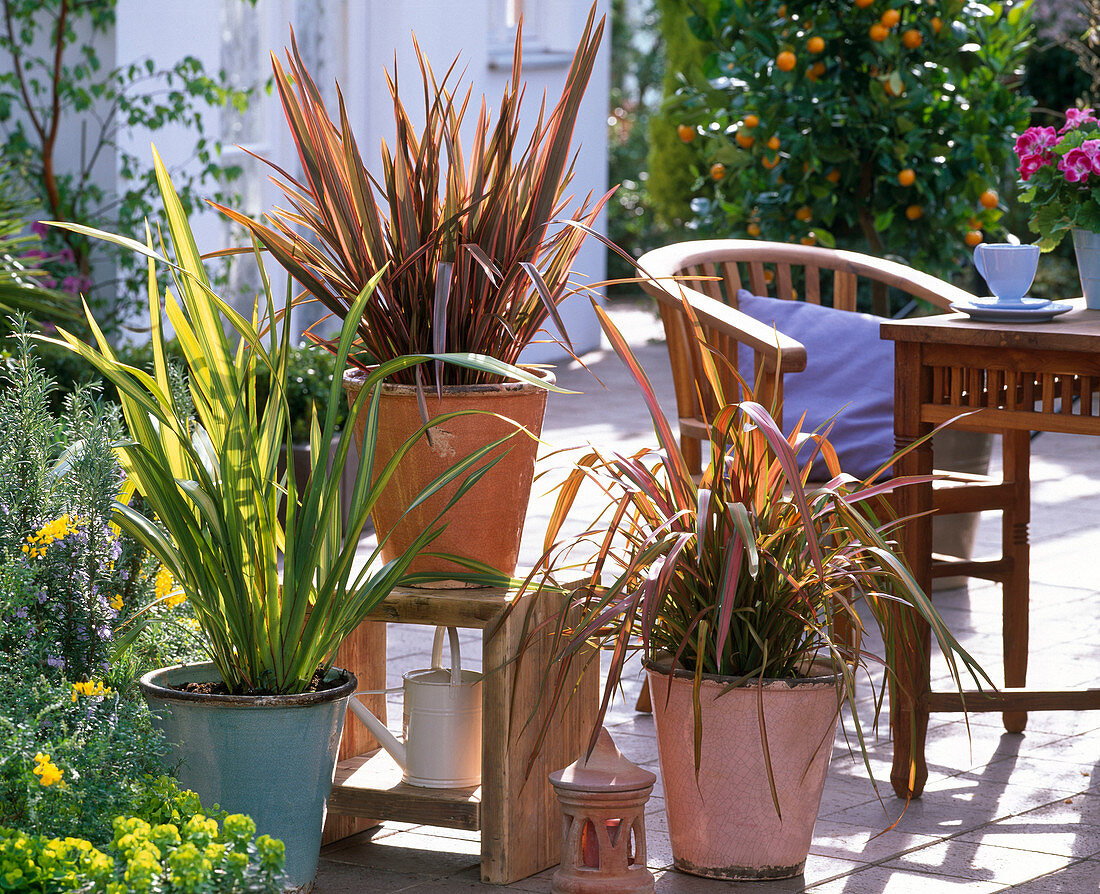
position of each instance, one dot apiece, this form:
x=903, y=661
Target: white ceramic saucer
x=1029, y=310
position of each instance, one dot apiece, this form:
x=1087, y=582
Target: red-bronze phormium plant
x=471, y=255
x=751, y=572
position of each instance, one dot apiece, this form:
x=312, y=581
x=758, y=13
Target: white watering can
x=441, y=722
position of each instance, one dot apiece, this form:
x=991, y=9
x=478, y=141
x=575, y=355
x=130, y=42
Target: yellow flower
x=90, y=688
x=167, y=589
x=45, y=769
x=116, y=602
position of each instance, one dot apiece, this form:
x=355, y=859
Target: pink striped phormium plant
x=469, y=249
x=751, y=572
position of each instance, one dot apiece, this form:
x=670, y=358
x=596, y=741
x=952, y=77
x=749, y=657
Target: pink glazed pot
x=725, y=825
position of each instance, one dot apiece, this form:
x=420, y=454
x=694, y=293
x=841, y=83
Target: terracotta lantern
x=603, y=825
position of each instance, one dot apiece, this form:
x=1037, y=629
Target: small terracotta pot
x=723, y=823
x=486, y=524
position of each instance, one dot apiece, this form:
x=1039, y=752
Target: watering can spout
x=378, y=729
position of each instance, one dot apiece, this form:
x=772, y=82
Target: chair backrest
x=767, y=269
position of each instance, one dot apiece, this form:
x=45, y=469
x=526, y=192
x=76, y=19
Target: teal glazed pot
x=1086, y=245
x=271, y=757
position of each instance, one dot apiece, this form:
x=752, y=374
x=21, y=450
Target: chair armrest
x=780, y=352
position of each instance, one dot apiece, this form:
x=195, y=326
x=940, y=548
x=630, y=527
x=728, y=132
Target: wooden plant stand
x=515, y=810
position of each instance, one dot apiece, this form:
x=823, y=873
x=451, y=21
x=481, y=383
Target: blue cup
x=1008, y=270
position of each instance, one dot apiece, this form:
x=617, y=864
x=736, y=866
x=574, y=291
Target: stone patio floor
x=1000, y=811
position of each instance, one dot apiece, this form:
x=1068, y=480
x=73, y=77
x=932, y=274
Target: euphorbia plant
x=273, y=602
x=462, y=246
x=1060, y=172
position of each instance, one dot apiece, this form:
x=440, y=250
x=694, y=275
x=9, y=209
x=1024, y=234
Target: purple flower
x=39, y=228
x=55, y=662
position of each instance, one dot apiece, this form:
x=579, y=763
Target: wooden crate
x=514, y=808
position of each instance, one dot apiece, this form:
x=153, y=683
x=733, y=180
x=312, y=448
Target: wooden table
x=515, y=807
x=1018, y=378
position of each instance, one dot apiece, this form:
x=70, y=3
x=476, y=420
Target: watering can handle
x=456, y=654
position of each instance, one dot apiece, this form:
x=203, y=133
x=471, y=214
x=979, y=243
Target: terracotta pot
x=723, y=824
x=486, y=524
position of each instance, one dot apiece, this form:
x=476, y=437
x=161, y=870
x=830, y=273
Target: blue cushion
x=849, y=370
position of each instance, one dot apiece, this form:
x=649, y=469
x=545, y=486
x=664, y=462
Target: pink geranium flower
x=1076, y=165
x=1035, y=141
x=1076, y=117
x=1029, y=164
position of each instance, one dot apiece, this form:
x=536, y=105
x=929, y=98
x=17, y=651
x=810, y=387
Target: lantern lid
x=606, y=770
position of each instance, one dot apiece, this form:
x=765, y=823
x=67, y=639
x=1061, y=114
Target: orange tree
x=879, y=125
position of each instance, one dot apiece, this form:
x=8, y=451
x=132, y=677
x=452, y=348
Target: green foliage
x=671, y=161
x=932, y=94
x=309, y=373
x=106, y=754
x=54, y=87
x=195, y=856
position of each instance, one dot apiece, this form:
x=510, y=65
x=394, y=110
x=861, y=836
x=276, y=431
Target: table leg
x=520, y=815
x=1016, y=588
x=909, y=684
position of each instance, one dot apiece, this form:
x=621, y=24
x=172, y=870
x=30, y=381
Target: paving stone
x=842, y=840
x=1079, y=878
x=883, y=880
x=979, y=862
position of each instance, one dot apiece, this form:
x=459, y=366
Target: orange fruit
x=753, y=229
x=804, y=214
x=786, y=61
x=890, y=18
x=815, y=71
x=912, y=38
x=773, y=142
x=914, y=212
x=744, y=140
x=717, y=171
x=907, y=177
x=863, y=4
x=988, y=198
x=769, y=163
x=810, y=239
x=783, y=10
x=833, y=176
x=973, y=237
x=878, y=32
x=815, y=44
x=769, y=276
x=936, y=23
x=974, y=224
x=751, y=120
x=686, y=132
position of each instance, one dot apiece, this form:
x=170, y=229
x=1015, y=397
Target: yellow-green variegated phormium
x=208, y=470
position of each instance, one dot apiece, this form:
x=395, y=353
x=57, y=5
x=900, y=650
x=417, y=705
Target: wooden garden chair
x=816, y=275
